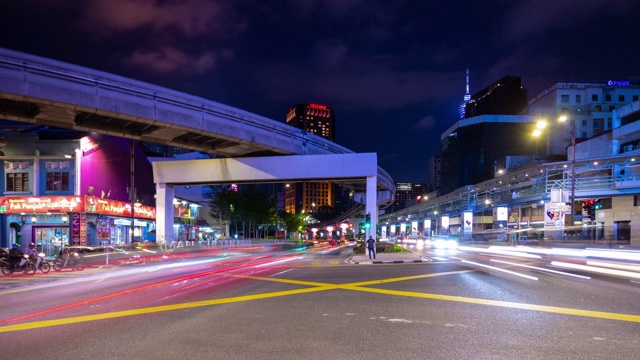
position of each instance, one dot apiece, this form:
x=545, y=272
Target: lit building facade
x=313, y=118
x=308, y=196
x=60, y=187
x=588, y=106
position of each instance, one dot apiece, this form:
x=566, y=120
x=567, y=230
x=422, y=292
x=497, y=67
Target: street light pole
x=541, y=124
x=132, y=191
x=572, y=136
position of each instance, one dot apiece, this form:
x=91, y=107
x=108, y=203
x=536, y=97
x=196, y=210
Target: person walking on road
x=371, y=247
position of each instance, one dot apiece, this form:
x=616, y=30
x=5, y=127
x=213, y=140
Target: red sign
x=41, y=204
x=118, y=208
x=317, y=106
x=73, y=204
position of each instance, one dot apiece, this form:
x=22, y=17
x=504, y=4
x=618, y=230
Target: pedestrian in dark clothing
x=15, y=255
x=371, y=247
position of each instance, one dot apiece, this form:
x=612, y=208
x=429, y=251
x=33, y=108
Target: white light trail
x=618, y=266
x=499, y=269
x=500, y=251
x=542, y=269
x=598, y=270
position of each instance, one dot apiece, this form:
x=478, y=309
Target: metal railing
x=531, y=184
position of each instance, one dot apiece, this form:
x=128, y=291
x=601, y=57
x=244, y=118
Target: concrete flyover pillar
x=164, y=214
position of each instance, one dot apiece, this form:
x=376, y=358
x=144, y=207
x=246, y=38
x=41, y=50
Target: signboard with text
x=41, y=204
x=73, y=204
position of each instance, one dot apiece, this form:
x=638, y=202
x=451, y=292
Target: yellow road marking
x=318, y=286
x=514, y=305
x=154, y=309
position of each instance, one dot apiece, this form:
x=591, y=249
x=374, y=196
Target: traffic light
x=589, y=208
x=367, y=222
x=598, y=204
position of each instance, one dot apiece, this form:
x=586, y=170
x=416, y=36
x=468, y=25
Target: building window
x=612, y=107
x=596, y=125
x=607, y=97
x=598, y=107
x=584, y=123
x=621, y=98
x=635, y=97
x=594, y=97
x=609, y=123
x=564, y=99
x=578, y=99
x=57, y=181
x=17, y=182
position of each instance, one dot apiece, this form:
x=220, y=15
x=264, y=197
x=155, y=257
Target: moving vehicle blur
x=104, y=255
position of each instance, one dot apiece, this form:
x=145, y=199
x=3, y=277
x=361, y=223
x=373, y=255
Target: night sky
x=394, y=71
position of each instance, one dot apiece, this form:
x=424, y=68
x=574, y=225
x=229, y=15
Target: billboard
x=467, y=217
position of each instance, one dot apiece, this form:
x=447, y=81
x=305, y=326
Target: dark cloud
x=394, y=71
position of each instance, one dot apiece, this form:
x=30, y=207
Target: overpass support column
x=164, y=214
x=371, y=205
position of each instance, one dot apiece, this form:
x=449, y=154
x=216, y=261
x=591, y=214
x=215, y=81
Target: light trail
x=542, y=269
x=499, y=269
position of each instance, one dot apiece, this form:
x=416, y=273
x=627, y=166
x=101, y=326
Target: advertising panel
x=468, y=222
x=553, y=215
x=427, y=228
x=445, y=222
x=414, y=229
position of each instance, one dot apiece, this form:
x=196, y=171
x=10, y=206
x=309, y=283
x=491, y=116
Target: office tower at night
x=309, y=196
x=506, y=96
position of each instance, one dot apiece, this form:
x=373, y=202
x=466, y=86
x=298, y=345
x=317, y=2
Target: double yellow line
x=316, y=287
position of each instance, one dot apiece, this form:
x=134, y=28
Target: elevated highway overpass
x=48, y=92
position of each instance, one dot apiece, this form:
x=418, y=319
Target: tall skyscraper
x=434, y=172
x=506, y=96
x=313, y=118
x=309, y=196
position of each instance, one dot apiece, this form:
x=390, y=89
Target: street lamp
x=571, y=131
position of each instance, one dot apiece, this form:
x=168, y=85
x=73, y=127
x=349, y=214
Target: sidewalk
x=387, y=258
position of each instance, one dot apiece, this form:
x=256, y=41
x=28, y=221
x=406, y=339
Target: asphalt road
x=267, y=304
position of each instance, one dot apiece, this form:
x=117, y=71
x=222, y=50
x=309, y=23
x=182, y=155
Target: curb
x=390, y=261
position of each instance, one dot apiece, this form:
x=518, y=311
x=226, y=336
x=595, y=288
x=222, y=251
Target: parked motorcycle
x=69, y=261
x=28, y=267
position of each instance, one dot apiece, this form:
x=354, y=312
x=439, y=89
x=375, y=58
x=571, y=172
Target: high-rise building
x=407, y=194
x=434, y=172
x=472, y=147
x=506, y=96
x=589, y=107
x=309, y=196
x=313, y=118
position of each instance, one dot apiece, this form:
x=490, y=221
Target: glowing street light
x=571, y=131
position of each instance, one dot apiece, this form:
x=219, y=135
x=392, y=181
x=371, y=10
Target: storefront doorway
x=50, y=239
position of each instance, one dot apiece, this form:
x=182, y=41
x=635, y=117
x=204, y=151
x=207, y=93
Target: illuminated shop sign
x=118, y=208
x=41, y=204
x=73, y=204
